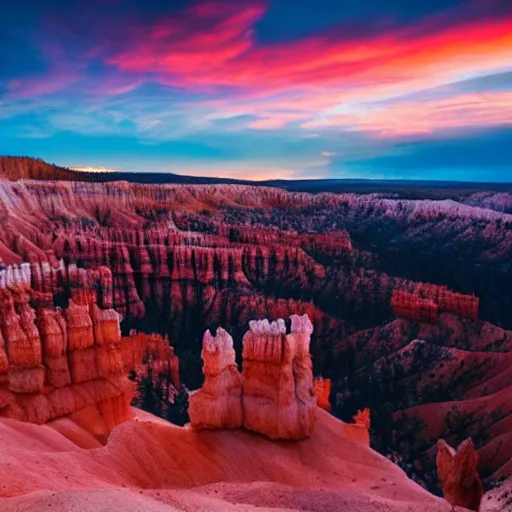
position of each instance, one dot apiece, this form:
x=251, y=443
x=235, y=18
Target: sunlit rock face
x=218, y=404
x=322, y=389
x=274, y=395
x=458, y=475
x=278, y=394
x=56, y=364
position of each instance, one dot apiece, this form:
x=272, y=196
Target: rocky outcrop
x=218, y=404
x=331, y=244
x=362, y=418
x=56, y=364
x=274, y=396
x=427, y=301
x=278, y=395
x=179, y=259
x=458, y=475
x=264, y=265
x=58, y=279
x=322, y=392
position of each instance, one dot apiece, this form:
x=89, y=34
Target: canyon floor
x=151, y=465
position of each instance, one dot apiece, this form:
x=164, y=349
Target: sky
x=258, y=89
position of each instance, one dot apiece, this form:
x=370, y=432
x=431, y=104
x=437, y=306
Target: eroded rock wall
x=56, y=364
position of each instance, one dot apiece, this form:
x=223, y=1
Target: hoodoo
x=274, y=395
x=278, y=395
x=322, y=391
x=218, y=404
x=458, y=475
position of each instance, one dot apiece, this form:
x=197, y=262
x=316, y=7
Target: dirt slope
x=153, y=466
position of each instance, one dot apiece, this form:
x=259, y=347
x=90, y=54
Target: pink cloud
x=212, y=45
x=203, y=39
x=415, y=117
x=300, y=80
x=183, y=53
x=275, y=120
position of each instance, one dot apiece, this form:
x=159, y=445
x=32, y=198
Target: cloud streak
x=400, y=118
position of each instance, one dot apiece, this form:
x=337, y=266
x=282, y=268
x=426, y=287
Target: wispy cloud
x=399, y=118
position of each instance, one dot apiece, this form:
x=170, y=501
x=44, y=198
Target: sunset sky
x=261, y=89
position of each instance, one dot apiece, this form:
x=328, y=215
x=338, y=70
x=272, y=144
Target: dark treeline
x=22, y=167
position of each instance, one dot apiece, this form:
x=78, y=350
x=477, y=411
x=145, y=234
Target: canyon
x=408, y=300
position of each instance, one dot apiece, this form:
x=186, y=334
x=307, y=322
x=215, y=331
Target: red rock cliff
x=56, y=364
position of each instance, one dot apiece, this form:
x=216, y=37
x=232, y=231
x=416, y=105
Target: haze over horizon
x=257, y=89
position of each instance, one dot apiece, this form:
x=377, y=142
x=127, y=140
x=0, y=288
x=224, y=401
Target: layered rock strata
x=275, y=394
x=218, y=404
x=278, y=394
x=56, y=364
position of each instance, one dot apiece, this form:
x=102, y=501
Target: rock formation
x=362, y=418
x=322, y=393
x=424, y=305
x=56, y=364
x=275, y=394
x=139, y=349
x=218, y=404
x=458, y=475
x=278, y=396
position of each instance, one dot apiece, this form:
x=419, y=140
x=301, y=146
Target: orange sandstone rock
x=53, y=338
x=278, y=396
x=322, y=391
x=218, y=404
x=458, y=475
x=62, y=366
x=81, y=335
x=20, y=334
x=26, y=380
x=363, y=418
x=52, y=328
x=105, y=325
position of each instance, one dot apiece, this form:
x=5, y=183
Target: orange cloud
x=303, y=80
x=186, y=56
